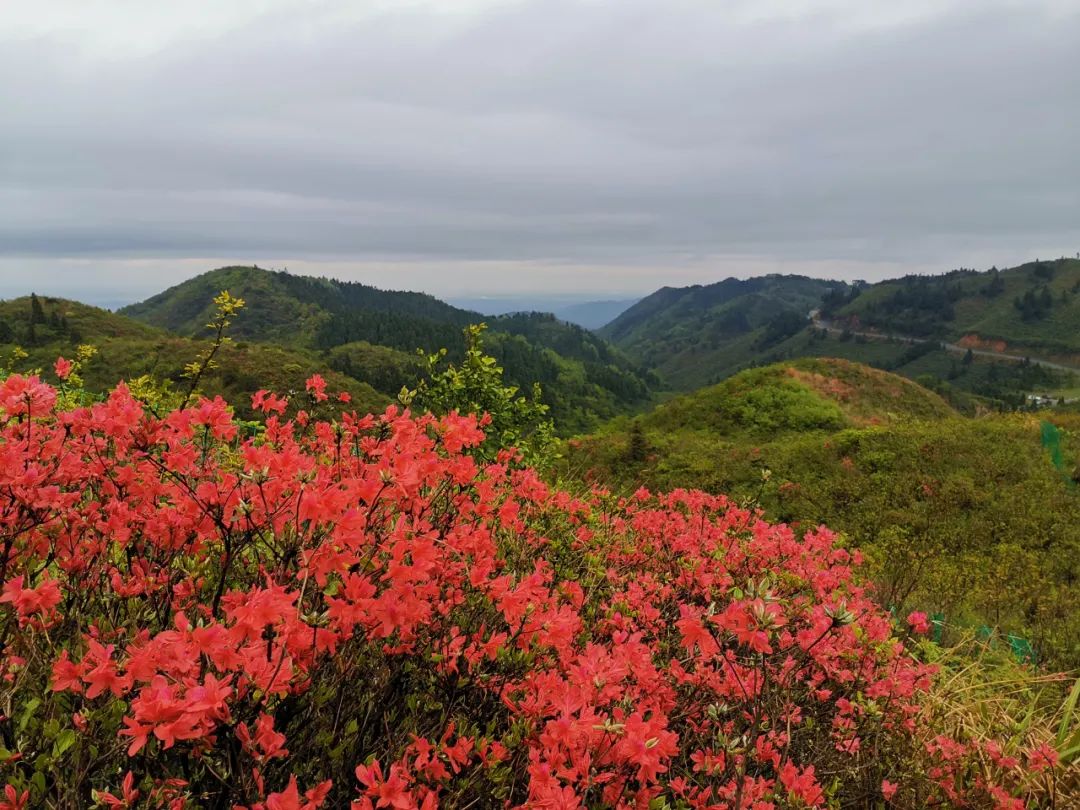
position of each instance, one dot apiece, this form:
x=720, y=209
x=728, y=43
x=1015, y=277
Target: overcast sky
x=606, y=147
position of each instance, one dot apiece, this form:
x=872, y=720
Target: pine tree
x=637, y=449
x=1046, y=299
x=37, y=314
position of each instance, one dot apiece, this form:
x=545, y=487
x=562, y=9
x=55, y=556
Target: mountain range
x=919, y=326
x=367, y=337
x=676, y=339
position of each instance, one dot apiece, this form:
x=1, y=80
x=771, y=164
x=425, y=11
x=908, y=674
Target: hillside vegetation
x=805, y=395
x=127, y=349
x=583, y=378
x=962, y=516
x=699, y=335
x=970, y=382
x=696, y=335
x=1033, y=308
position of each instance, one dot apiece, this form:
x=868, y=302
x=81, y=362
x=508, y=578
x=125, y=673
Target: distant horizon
x=130, y=281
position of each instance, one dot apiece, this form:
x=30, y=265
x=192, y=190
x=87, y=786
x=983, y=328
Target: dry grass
x=983, y=695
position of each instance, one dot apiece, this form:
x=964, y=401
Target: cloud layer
x=677, y=137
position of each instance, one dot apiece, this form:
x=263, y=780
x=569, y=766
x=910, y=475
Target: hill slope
x=127, y=349
x=699, y=335
x=584, y=379
x=298, y=310
x=803, y=395
x=963, y=516
x=696, y=335
x=1033, y=308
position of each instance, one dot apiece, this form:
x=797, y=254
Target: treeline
x=38, y=327
x=926, y=306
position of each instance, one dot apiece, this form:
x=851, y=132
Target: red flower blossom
x=918, y=621
x=247, y=612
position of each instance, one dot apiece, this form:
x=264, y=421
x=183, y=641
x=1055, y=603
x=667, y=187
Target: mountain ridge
x=584, y=379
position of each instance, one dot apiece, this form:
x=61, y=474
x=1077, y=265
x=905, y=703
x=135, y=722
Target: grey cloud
x=608, y=132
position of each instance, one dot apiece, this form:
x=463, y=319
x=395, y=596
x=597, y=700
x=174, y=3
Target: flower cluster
x=356, y=611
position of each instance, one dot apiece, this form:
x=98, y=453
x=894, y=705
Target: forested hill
x=699, y=335
x=285, y=308
x=696, y=335
x=373, y=334
x=44, y=328
x=1031, y=308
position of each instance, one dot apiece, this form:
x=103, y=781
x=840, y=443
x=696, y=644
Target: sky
x=598, y=148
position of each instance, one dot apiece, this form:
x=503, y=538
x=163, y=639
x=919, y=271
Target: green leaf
x=1067, y=714
x=28, y=712
x=37, y=785
x=64, y=741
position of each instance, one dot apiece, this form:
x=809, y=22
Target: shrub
x=355, y=610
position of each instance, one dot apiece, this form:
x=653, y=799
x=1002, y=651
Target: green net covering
x=1051, y=440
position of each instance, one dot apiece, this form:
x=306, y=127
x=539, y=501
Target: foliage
x=693, y=335
x=343, y=610
x=475, y=386
x=384, y=368
x=226, y=307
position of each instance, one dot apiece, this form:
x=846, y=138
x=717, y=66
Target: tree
x=37, y=314
x=637, y=449
x=996, y=286
x=475, y=386
x=1046, y=299
x=226, y=307
x=969, y=357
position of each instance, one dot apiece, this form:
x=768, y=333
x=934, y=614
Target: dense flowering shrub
x=354, y=611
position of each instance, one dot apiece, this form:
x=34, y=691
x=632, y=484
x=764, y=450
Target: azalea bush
x=329, y=609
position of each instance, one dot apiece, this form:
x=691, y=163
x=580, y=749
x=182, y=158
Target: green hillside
x=291, y=309
x=1033, y=308
x=972, y=383
x=699, y=335
x=584, y=379
x=804, y=395
x=964, y=516
x=127, y=349
x=693, y=336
